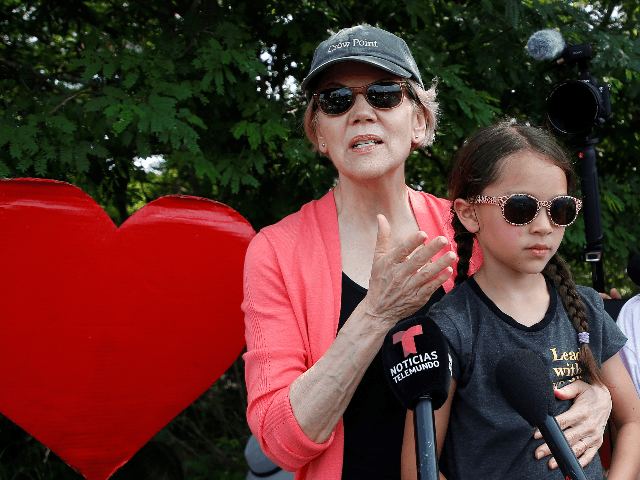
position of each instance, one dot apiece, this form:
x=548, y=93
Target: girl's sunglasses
x=381, y=95
x=521, y=209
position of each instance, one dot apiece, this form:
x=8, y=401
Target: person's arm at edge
x=630, y=360
x=625, y=415
x=628, y=322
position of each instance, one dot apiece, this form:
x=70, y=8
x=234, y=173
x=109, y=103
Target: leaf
x=229, y=74
x=130, y=79
x=205, y=167
x=99, y=151
x=250, y=180
x=4, y=170
x=62, y=123
x=110, y=67
x=465, y=108
x=66, y=154
x=40, y=165
x=15, y=150
x=143, y=148
x=97, y=103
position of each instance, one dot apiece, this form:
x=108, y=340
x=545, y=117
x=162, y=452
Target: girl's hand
x=403, y=278
x=584, y=423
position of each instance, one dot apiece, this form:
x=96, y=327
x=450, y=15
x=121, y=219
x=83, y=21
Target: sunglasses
x=521, y=209
x=381, y=95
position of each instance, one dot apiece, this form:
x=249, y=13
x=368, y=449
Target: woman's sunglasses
x=521, y=209
x=381, y=95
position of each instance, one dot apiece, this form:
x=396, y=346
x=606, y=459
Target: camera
x=576, y=106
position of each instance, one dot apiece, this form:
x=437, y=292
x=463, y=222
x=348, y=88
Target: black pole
x=561, y=450
x=593, y=250
x=424, y=426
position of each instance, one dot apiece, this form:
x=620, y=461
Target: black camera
x=576, y=106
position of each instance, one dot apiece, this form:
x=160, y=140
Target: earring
x=323, y=145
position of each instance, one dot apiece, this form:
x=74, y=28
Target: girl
x=509, y=190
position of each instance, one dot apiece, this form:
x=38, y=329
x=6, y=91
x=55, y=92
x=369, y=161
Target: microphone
x=545, y=44
x=416, y=360
x=523, y=379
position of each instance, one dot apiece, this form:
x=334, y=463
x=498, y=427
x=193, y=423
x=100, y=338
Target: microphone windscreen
x=633, y=269
x=415, y=355
x=524, y=381
x=545, y=44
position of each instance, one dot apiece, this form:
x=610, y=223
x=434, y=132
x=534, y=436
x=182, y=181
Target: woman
x=324, y=285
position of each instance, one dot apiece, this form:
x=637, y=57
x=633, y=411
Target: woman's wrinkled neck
x=360, y=203
x=358, y=207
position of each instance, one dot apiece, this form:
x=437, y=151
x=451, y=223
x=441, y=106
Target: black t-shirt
x=374, y=419
x=486, y=437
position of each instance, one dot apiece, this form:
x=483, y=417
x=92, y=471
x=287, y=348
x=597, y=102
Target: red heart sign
x=106, y=334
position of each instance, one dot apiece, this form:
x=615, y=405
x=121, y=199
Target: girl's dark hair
x=477, y=165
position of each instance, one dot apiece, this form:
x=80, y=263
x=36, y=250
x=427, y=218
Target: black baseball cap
x=366, y=44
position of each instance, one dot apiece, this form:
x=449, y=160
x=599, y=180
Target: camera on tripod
x=576, y=106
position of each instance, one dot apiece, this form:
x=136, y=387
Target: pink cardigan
x=292, y=294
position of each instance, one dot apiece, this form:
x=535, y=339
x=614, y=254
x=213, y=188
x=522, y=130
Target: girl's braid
x=464, y=241
x=559, y=274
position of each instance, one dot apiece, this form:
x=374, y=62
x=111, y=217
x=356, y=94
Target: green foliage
x=210, y=89
x=476, y=51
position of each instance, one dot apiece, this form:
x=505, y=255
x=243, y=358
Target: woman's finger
x=421, y=257
x=411, y=248
x=426, y=290
x=586, y=451
x=426, y=251
x=383, y=240
x=432, y=270
x=583, y=451
x=589, y=413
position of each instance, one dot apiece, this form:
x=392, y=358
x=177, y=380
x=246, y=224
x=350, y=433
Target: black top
x=486, y=436
x=374, y=419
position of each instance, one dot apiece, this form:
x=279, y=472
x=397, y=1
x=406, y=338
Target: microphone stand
x=593, y=249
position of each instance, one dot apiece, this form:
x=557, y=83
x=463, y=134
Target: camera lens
x=573, y=106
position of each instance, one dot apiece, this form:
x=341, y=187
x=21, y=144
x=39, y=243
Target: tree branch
x=65, y=101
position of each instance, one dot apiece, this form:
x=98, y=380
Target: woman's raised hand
x=403, y=277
